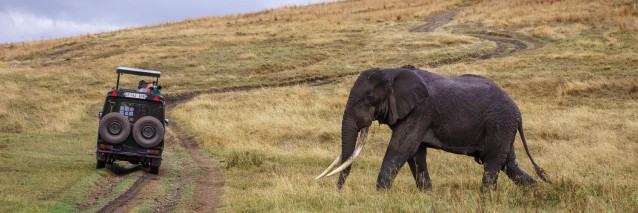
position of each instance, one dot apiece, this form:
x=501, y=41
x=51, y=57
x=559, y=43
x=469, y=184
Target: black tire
x=148, y=131
x=100, y=164
x=154, y=170
x=114, y=128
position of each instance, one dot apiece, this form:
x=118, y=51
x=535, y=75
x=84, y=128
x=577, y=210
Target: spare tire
x=148, y=131
x=114, y=128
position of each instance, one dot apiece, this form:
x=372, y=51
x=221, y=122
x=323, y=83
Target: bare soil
x=209, y=180
x=127, y=197
x=436, y=21
x=205, y=173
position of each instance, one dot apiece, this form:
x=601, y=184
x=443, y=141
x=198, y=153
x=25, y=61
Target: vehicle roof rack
x=135, y=71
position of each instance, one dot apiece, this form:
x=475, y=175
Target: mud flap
x=156, y=162
x=100, y=156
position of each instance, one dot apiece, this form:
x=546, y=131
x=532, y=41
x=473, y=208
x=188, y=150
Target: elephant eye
x=371, y=98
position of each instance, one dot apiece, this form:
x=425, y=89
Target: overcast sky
x=28, y=20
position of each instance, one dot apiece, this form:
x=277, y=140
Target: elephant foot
x=489, y=181
x=381, y=188
x=485, y=188
x=520, y=177
x=424, y=187
x=383, y=185
x=523, y=180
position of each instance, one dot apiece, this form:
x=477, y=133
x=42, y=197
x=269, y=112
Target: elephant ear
x=405, y=91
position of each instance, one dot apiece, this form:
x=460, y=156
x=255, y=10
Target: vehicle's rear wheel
x=148, y=131
x=114, y=128
x=100, y=164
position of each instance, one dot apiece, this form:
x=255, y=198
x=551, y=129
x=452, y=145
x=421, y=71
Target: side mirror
x=166, y=122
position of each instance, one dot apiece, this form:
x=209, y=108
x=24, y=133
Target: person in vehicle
x=145, y=86
x=149, y=87
x=142, y=86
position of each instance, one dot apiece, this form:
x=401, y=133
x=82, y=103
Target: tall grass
x=558, y=17
x=274, y=141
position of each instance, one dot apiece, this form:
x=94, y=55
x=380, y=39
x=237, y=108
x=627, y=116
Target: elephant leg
x=407, y=137
x=392, y=163
x=342, y=177
x=403, y=146
x=412, y=164
x=498, y=144
x=515, y=173
x=490, y=177
x=419, y=168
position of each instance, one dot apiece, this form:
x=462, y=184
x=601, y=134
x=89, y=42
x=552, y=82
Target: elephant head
x=383, y=95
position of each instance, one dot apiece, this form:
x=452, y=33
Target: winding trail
x=436, y=21
x=506, y=44
x=198, y=182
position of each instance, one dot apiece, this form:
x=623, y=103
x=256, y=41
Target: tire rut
x=209, y=180
x=121, y=201
x=506, y=44
x=207, y=175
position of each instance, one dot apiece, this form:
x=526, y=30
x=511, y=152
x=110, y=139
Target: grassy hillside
x=578, y=95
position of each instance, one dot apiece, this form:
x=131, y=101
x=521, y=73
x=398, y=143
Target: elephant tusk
x=362, y=137
x=332, y=165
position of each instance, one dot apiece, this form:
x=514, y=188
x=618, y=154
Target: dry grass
x=291, y=134
x=549, y=17
x=577, y=95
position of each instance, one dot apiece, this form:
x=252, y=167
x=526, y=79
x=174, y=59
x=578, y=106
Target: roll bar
x=136, y=71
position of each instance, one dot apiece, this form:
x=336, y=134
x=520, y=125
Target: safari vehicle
x=132, y=124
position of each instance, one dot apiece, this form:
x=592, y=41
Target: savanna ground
x=578, y=95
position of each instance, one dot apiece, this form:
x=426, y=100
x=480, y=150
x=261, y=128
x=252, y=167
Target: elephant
x=468, y=115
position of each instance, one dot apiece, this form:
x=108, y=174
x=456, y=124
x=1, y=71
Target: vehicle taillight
x=113, y=93
x=153, y=152
x=105, y=147
x=156, y=98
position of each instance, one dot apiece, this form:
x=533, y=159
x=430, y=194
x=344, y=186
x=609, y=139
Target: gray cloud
x=26, y=20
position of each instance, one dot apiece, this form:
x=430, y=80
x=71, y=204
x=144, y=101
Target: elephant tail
x=539, y=171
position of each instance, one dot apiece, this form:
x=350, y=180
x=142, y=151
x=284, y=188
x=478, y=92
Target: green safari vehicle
x=132, y=123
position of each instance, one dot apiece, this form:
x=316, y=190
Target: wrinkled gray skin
x=467, y=115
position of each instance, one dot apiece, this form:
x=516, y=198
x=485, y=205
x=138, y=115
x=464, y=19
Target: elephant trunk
x=348, y=137
x=354, y=120
x=349, y=132
x=348, y=151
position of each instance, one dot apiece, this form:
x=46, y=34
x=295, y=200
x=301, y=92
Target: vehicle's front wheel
x=100, y=164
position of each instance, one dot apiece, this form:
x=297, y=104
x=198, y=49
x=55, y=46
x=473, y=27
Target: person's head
x=142, y=84
x=149, y=87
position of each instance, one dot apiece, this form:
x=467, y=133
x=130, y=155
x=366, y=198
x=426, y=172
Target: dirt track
x=506, y=44
x=189, y=168
x=195, y=169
